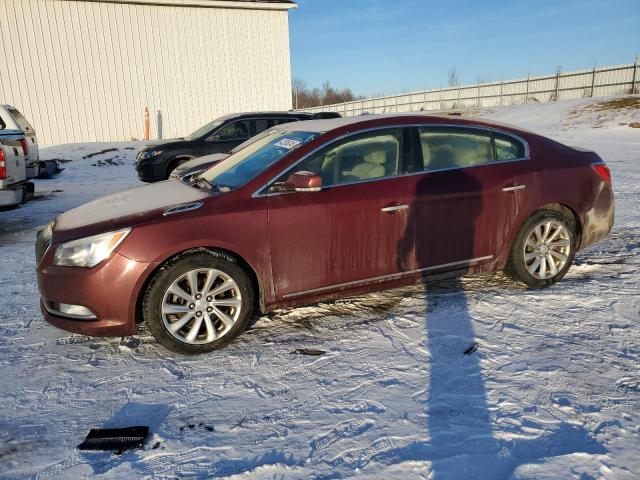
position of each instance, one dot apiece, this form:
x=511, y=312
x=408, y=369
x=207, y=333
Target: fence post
x=526, y=95
x=458, y=105
x=501, y=88
x=478, y=93
x=635, y=75
x=593, y=79
x=557, y=85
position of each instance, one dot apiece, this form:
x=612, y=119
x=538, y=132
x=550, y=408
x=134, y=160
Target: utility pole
x=635, y=75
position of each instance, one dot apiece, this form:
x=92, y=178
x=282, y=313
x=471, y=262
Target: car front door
x=464, y=199
x=228, y=136
x=347, y=234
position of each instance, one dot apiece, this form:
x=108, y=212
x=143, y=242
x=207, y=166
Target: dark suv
x=156, y=161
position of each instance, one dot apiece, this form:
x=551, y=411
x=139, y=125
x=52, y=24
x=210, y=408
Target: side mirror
x=214, y=138
x=304, y=182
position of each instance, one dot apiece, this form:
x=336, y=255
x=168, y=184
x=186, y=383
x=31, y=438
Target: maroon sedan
x=320, y=210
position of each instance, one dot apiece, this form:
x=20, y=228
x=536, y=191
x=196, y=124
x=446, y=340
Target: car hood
x=207, y=159
x=156, y=143
x=124, y=209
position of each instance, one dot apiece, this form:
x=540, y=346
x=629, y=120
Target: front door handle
x=513, y=188
x=395, y=208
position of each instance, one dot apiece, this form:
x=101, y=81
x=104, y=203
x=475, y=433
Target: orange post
x=147, y=123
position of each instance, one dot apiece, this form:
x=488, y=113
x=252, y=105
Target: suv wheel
x=198, y=302
x=173, y=165
x=544, y=249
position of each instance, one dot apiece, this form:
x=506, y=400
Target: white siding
x=85, y=71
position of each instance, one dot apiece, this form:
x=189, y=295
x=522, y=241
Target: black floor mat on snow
x=114, y=438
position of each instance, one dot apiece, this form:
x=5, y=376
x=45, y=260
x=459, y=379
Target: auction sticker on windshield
x=287, y=143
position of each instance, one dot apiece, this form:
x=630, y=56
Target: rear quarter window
x=508, y=148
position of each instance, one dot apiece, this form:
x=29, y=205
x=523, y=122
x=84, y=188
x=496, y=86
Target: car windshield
x=203, y=130
x=244, y=165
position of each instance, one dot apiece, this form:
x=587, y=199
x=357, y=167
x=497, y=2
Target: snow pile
x=551, y=391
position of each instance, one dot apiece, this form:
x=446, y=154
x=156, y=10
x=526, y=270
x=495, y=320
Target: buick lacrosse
x=318, y=210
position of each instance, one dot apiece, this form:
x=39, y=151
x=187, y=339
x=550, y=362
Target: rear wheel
x=544, y=249
x=198, y=302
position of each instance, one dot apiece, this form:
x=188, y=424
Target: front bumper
x=110, y=290
x=151, y=170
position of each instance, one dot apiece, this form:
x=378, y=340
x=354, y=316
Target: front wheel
x=198, y=302
x=544, y=249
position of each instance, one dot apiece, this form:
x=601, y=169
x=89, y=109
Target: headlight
x=150, y=154
x=89, y=251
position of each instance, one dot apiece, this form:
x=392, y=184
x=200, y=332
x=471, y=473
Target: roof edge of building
x=233, y=4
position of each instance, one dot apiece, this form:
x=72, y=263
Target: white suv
x=14, y=126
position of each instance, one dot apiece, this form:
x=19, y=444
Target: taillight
x=25, y=147
x=3, y=167
x=602, y=170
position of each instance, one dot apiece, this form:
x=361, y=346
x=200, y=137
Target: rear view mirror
x=304, y=182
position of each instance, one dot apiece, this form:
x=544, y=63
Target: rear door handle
x=513, y=188
x=395, y=208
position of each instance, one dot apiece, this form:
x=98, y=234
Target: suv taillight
x=3, y=167
x=602, y=170
x=25, y=147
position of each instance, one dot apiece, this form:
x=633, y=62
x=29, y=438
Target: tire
x=216, y=318
x=559, y=246
x=173, y=165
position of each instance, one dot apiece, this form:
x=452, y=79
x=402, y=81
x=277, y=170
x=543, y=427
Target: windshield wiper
x=202, y=184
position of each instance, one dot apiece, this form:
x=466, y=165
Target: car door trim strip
x=383, y=278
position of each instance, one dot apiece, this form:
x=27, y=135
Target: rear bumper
x=33, y=170
x=14, y=194
x=110, y=290
x=598, y=220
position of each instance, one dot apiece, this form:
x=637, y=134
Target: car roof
x=265, y=114
x=361, y=121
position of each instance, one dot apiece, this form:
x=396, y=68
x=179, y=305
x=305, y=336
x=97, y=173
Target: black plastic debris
x=308, y=351
x=117, y=439
x=471, y=349
x=49, y=169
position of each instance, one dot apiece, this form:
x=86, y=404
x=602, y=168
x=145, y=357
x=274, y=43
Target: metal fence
x=596, y=82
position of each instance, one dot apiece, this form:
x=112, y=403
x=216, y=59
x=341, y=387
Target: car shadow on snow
x=459, y=437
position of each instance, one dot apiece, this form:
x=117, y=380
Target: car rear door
x=347, y=234
x=465, y=199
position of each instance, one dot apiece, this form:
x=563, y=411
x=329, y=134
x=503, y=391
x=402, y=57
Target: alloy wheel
x=547, y=249
x=201, y=306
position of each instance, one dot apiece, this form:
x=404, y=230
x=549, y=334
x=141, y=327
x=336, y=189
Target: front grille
x=43, y=242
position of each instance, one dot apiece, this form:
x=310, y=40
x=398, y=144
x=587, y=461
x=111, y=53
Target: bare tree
x=297, y=86
x=454, y=81
x=304, y=97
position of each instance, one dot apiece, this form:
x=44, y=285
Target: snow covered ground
x=552, y=391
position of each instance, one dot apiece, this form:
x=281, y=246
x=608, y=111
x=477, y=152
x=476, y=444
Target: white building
x=86, y=70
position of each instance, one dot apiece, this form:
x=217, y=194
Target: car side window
x=447, y=148
x=280, y=121
x=366, y=156
x=238, y=130
x=508, y=148
x=261, y=124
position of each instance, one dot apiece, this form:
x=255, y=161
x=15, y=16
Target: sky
x=387, y=46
